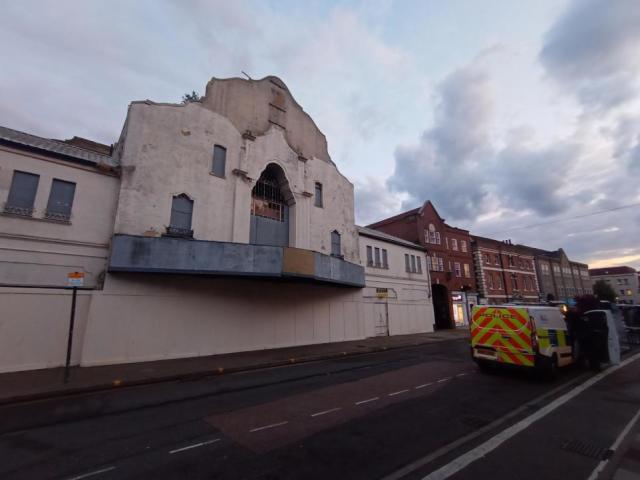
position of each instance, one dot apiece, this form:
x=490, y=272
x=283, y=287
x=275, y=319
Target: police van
x=525, y=336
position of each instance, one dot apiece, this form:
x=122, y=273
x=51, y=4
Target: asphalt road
x=361, y=417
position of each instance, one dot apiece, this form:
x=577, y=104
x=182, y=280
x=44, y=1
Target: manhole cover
x=585, y=449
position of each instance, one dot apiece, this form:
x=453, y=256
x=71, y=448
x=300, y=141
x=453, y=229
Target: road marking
x=91, y=474
x=324, y=412
x=462, y=374
x=273, y=425
x=443, y=380
x=423, y=385
x=487, y=447
x=603, y=463
x=367, y=400
x=398, y=393
x=195, y=445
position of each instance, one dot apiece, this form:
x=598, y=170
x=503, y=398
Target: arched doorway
x=271, y=199
x=441, y=306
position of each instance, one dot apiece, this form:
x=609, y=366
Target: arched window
x=336, y=247
x=181, y=213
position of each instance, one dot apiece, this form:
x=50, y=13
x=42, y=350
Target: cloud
x=444, y=166
x=374, y=201
x=593, y=50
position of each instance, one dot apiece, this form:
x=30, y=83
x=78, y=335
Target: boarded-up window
x=22, y=194
x=60, y=200
x=318, y=197
x=335, y=244
x=219, y=161
x=181, y=213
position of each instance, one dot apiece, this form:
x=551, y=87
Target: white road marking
x=91, y=474
x=462, y=374
x=423, y=385
x=273, y=425
x=367, y=400
x=195, y=445
x=603, y=463
x=487, y=447
x=324, y=412
x=398, y=393
x=443, y=380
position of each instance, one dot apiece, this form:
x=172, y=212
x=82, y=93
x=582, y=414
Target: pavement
x=45, y=383
x=626, y=466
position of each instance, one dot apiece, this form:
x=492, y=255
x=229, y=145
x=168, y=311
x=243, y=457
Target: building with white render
x=214, y=226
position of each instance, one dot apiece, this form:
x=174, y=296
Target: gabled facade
x=449, y=260
x=213, y=226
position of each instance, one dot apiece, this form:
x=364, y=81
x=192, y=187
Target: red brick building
x=449, y=259
x=505, y=272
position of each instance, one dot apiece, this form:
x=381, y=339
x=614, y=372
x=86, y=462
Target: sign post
x=74, y=280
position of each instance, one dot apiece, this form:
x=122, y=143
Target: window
x=336, y=248
x=456, y=267
x=454, y=244
x=60, y=200
x=544, y=267
x=440, y=264
x=406, y=263
x=497, y=259
x=490, y=281
x=514, y=282
x=487, y=259
x=181, y=213
x=438, y=238
x=369, y=256
x=621, y=292
x=385, y=262
x=419, y=264
x=463, y=245
x=377, y=257
x=413, y=263
x=428, y=261
x=510, y=258
x=499, y=282
x=446, y=241
x=556, y=269
x=318, y=198
x=467, y=270
x=22, y=194
x=219, y=161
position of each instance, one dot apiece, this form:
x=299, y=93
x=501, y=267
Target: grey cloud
x=593, y=51
x=456, y=165
x=373, y=201
x=535, y=178
x=445, y=165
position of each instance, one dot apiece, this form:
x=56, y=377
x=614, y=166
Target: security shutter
x=23, y=192
x=181, y=212
x=61, y=199
x=219, y=161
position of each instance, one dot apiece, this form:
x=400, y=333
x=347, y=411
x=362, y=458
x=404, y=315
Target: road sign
x=75, y=279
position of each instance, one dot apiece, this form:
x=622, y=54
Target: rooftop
x=68, y=149
x=368, y=232
x=597, y=272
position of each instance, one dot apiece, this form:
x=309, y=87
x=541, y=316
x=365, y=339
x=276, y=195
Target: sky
x=518, y=120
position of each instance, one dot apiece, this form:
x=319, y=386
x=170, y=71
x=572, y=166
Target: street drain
x=474, y=422
x=586, y=449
